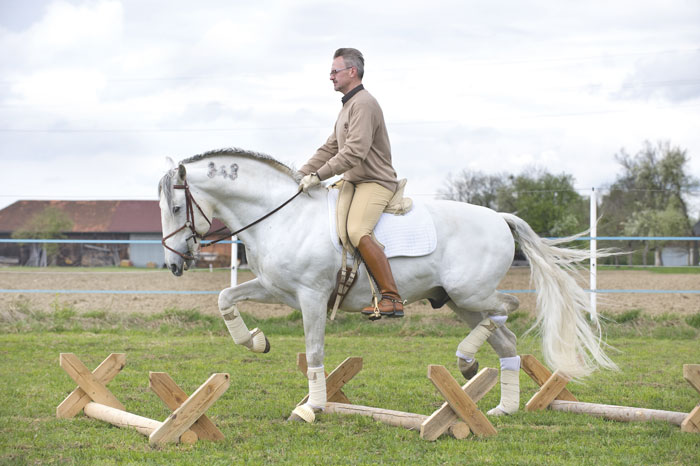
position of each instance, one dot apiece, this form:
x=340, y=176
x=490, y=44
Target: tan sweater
x=359, y=147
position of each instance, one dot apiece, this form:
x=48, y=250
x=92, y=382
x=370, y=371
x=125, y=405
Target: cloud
x=671, y=76
x=100, y=92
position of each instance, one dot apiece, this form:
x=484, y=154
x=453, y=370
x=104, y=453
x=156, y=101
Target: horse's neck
x=257, y=190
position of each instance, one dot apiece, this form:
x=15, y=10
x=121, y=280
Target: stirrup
x=373, y=314
x=376, y=313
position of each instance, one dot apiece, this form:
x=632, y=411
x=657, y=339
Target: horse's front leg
x=314, y=314
x=255, y=340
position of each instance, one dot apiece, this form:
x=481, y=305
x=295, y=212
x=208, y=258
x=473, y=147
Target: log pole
x=125, y=419
x=618, y=413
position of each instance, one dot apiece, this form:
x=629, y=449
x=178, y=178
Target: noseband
x=190, y=202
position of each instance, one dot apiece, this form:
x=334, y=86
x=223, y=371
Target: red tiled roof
x=91, y=216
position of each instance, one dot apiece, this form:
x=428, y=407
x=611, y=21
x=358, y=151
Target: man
x=359, y=149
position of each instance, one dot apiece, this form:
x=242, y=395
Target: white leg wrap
x=510, y=387
x=317, y=387
x=240, y=333
x=317, y=395
x=236, y=327
x=476, y=338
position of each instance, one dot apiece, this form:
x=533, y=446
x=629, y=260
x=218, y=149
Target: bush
x=694, y=320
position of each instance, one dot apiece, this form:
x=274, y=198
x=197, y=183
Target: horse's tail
x=570, y=342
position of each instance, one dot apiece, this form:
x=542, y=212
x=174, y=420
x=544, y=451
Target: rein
x=189, y=222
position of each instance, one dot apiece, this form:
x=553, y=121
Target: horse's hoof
x=302, y=413
x=497, y=411
x=260, y=343
x=468, y=369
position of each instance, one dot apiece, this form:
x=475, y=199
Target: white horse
x=296, y=264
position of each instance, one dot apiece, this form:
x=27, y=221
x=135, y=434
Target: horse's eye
x=176, y=209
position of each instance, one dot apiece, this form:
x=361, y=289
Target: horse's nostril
x=173, y=268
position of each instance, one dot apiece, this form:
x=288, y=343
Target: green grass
x=265, y=388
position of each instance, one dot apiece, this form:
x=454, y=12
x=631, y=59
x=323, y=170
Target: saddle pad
x=412, y=234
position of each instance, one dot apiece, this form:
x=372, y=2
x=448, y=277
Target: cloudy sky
x=95, y=94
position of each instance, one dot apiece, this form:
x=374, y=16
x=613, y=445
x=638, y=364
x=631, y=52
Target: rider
x=359, y=149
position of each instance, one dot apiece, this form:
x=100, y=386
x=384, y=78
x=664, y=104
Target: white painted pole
x=593, y=248
x=234, y=261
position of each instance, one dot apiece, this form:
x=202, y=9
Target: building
x=97, y=220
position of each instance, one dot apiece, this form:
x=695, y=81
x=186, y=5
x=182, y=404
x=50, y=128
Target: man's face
x=343, y=79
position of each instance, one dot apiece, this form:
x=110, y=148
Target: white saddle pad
x=412, y=234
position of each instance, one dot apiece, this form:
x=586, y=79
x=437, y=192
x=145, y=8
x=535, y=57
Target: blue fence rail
x=195, y=292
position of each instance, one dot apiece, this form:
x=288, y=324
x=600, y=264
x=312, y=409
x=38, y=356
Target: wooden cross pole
x=445, y=417
x=186, y=424
x=691, y=373
x=553, y=395
x=462, y=405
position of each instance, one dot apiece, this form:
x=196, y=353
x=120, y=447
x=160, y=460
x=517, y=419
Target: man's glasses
x=334, y=72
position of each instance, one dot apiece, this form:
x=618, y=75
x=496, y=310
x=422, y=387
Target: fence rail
x=197, y=292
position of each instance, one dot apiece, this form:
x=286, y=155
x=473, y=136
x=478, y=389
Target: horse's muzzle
x=176, y=269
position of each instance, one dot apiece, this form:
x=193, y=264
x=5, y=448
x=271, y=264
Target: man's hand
x=309, y=181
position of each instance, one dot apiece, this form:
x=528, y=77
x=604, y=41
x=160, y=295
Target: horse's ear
x=181, y=172
x=171, y=162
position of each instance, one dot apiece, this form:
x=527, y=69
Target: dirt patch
x=113, y=283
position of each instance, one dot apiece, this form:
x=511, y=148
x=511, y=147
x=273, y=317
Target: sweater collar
x=350, y=94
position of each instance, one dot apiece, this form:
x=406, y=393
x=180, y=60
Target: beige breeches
x=364, y=203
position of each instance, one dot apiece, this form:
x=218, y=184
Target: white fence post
x=593, y=247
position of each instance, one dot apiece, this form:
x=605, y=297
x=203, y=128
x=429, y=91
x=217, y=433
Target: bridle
x=190, y=202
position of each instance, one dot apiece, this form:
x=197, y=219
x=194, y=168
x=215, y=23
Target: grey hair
x=165, y=187
x=352, y=57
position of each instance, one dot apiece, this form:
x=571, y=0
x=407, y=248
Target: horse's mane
x=165, y=185
x=234, y=151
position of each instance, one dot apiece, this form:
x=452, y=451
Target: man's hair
x=352, y=57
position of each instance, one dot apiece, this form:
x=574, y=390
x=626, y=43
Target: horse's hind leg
x=487, y=319
x=255, y=340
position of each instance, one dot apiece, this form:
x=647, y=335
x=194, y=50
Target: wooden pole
x=618, y=413
x=124, y=419
x=410, y=421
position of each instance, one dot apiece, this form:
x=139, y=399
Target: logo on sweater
x=346, y=126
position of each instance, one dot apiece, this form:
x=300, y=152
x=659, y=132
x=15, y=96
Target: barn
x=93, y=221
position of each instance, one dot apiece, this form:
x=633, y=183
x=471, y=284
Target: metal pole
x=234, y=260
x=594, y=246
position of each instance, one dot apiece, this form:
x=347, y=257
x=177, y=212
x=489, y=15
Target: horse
x=296, y=264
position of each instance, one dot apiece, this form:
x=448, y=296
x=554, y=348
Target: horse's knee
x=509, y=303
x=225, y=299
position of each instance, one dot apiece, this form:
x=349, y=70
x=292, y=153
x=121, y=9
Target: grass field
x=264, y=389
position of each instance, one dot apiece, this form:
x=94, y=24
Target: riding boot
x=390, y=304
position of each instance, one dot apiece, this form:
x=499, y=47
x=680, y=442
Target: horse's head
x=183, y=220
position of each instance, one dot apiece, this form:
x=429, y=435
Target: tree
x=655, y=222
x=549, y=203
x=50, y=223
x=648, y=198
x=474, y=187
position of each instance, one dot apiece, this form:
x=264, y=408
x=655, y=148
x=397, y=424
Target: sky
x=94, y=95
